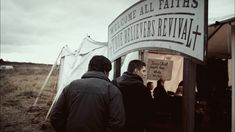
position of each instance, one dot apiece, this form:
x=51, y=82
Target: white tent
x=74, y=64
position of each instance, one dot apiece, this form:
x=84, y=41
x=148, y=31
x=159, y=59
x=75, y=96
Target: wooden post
x=189, y=81
x=233, y=75
x=117, y=68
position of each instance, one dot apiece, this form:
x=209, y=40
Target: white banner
x=177, y=25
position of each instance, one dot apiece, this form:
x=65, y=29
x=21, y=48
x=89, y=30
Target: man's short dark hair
x=159, y=82
x=99, y=63
x=135, y=64
x=181, y=83
x=149, y=84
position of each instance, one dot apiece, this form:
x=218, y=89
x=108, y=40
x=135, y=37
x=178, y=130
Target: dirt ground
x=19, y=88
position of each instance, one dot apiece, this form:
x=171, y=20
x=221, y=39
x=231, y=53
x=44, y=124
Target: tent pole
x=55, y=88
x=233, y=75
x=48, y=76
x=189, y=78
x=49, y=111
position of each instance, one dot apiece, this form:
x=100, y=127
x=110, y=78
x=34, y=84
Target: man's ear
x=135, y=71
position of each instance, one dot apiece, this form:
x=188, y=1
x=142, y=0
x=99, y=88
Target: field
x=19, y=88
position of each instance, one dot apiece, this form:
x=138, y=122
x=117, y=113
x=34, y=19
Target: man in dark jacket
x=90, y=104
x=137, y=98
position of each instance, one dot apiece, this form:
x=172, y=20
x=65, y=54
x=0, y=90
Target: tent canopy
x=219, y=38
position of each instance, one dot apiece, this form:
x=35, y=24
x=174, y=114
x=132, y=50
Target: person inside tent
x=179, y=90
x=90, y=104
x=161, y=98
x=149, y=86
x=159, y=92
x=177, y=103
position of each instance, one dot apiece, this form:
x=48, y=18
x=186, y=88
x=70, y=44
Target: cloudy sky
x=36, y=30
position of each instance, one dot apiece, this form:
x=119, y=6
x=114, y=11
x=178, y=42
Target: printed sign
x=157, y=69
x=175, y=25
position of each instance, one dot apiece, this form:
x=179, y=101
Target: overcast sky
x=36, y=30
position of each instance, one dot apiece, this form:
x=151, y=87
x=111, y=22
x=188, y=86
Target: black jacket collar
x=129, y=79
x=96, y=74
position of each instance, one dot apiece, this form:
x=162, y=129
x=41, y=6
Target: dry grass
x=18, y=91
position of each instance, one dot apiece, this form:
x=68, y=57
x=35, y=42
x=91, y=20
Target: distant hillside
x=2, y=62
